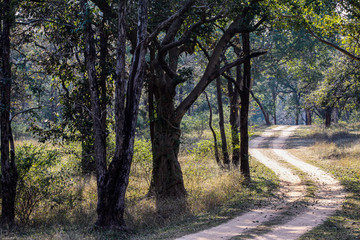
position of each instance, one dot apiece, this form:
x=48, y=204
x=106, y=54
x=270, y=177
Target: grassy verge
x=214, y=196
x=337, y=151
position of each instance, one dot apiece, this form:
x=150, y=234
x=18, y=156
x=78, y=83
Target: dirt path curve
x=328, y=198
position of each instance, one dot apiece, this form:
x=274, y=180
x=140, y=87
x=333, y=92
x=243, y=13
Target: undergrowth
x=67, y=209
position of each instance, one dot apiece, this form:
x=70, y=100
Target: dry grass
x=214, y=196
x=337, y=151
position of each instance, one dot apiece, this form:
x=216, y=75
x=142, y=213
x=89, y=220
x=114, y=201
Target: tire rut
x=291, y=191
x=274, y=220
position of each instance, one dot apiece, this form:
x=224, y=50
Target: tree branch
x=25, y=111
x=168, y=21
x=333, y=45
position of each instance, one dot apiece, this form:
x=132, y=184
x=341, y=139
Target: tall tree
x=226, y=159
x=113, y=177
x=245, y=101
x=9, y=173
x=167, y=175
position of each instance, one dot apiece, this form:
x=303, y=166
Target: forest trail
x=294, y=213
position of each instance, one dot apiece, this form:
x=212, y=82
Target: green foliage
x=143, y=156
x=41, y=180
x=203, y=149
x=197, y=123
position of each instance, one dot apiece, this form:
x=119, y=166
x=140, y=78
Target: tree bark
x=235, y=118
x=274, y=96
x=308, y=116
x=328, y=112
x=167, y=174
x=244, y=112
x=226, y=159
x=113, y=182
x=8, y=168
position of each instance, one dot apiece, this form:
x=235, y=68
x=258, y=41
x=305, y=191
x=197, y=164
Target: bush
x=40, y=179
x=142, y=159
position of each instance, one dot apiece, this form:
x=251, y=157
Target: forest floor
x=309, y=195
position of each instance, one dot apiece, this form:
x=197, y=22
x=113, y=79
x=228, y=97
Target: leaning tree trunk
x=226, y=159
x=244, y=112
x=266, y=115
x=8, y=168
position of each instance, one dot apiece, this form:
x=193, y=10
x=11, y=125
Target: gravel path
x=328, y=198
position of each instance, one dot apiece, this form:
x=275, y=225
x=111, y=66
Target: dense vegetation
x=106, y=105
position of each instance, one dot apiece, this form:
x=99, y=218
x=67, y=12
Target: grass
x=336, y=150
x=214, y=196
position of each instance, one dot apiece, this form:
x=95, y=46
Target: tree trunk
x=103, y=62
x=226, y=159
x=244, y=112
x=112, y=184
x=328, y=112
x=167, y=174
x=235, y=118
x=8, y=168
x=274, y=96
x=217, y=158
x=308, y=116
x=297, y=108
x=266, y=115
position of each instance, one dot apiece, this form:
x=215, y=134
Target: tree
x=226, y=159
x=167, y=175
x=113, y=178
x=9, y=173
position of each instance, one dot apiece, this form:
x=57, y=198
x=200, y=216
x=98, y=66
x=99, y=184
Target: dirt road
x=294, y=214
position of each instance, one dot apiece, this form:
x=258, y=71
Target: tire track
x=291, y=190
x=329, y=197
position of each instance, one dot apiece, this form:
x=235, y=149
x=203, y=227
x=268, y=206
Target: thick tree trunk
x=235, y=118
x=328, y=112
x=244, y=134
x=8, y=168
x=167, y=174
x=226, y=159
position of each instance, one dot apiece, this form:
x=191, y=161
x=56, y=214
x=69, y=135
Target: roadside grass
x=214, y=196
x=336, y=150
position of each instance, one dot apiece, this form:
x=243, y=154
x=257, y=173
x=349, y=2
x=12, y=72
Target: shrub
x=40, y=179
x=142, y=159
